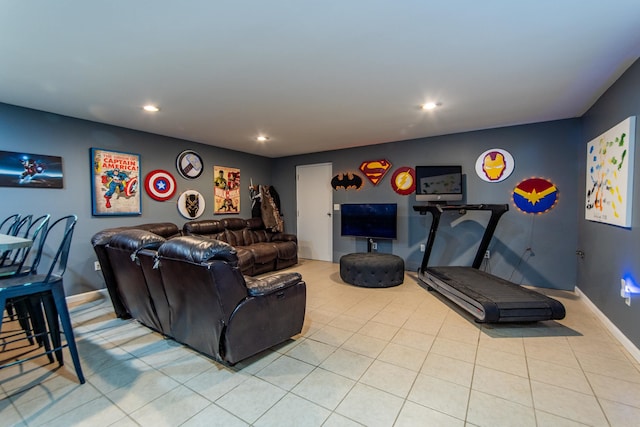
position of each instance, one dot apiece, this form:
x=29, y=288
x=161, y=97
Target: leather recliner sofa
x=218, y=311
x=191, y=289
x=259, y=250
x=99, y=242
x=132, y=253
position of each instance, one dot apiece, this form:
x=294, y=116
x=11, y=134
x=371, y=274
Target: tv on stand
x=369, y=220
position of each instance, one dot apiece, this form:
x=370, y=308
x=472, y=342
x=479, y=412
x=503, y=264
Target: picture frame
x=609, y=183
x=28, y=170
x=226, y=190
x=115, y=179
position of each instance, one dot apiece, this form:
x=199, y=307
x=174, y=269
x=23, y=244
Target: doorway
x=314, y=197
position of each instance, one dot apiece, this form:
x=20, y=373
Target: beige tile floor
x=377, y=357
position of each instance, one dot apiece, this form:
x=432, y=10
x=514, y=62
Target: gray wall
x=612, y=252
x=43, y=133
x=544, y=150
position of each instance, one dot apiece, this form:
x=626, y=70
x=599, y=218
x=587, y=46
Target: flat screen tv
x=438, y=183
x=369, y=220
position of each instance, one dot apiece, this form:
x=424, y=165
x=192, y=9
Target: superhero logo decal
x=346, y=181
x=160, y=185
x=375, y=170
x=189, y=164
x=494, y=165
x=403, y=181
x=191, y=204
x=535, y=196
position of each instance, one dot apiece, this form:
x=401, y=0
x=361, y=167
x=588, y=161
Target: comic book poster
x=226, y=190
x=27, y=170
x=115, y=183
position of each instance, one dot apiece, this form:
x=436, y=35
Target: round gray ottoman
x=372, y=269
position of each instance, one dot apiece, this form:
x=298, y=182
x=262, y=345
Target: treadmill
x=488, y=298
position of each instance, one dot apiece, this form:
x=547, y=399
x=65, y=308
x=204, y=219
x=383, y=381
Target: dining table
x=8, y=242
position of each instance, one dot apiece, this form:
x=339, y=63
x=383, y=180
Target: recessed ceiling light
x=430, y=106
x=262, y=138
x=151, y=108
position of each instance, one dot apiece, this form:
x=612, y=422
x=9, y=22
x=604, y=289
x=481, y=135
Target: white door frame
x=314, y=202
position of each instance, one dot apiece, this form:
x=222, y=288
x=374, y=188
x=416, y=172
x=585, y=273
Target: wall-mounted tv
x=369, y=220
x=438, y=183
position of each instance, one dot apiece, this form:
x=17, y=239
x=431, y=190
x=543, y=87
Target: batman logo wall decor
x=346, y=181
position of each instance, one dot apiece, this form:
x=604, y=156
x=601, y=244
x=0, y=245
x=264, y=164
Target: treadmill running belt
x=499, y=299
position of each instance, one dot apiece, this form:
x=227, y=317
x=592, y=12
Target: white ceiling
x=313, y=75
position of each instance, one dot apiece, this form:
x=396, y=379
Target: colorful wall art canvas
x=30, y=170
x=115, y=183
x=610, y=175
x=226, y=190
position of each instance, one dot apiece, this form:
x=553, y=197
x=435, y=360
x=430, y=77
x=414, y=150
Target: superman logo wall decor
x=535, y=196
x=375, y=170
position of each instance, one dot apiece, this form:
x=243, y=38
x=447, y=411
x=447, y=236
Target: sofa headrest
x=197, y=249
x=234, y=223
x=164, y=229
x=101, y=238
x=203, y=227
x=134, y=240
x=255, y=223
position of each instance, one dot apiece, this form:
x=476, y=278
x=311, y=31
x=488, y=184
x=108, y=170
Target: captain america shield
x=160, y=185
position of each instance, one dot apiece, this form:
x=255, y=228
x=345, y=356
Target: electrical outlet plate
x=487, y=254
x=374, y=246
x=624, y=292
x=96, y=265
x=422, y=248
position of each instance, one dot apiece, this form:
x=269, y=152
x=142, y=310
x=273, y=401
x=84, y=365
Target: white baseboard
x=626, y=343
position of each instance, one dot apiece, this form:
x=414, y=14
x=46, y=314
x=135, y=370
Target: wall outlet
x=96, y=265
x=374, y=246
x=422, y=248
x=624, y=292
x=487, y=254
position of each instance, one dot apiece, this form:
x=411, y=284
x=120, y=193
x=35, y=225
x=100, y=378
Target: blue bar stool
x=49, y=287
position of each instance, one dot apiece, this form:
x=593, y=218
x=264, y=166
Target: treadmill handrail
x=497, y=210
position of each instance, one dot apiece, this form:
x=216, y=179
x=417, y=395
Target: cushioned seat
x=372, y=269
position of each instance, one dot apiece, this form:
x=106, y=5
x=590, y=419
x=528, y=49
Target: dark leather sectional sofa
x=194, y=288
x=259, y=250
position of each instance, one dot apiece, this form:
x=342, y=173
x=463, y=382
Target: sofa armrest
x=284, y=237
x=270, y=284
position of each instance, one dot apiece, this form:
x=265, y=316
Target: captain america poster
x=115, y=183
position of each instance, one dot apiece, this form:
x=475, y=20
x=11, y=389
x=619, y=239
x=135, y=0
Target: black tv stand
x=488, y=298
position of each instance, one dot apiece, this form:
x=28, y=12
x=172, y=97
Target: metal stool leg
x=59, y=310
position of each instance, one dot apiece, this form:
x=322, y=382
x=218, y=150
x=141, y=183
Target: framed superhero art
x=115, y=188
x=226, y=190
x=27, y=170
